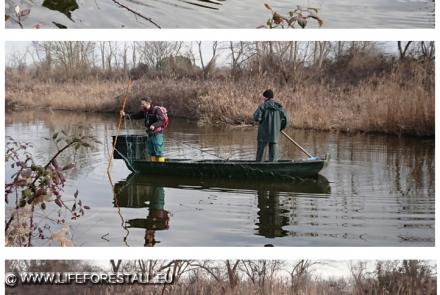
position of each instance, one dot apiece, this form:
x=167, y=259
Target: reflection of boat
x=132, y=149
x=139, y=184
x=142, y=191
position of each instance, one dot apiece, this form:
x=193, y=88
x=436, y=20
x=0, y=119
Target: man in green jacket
x=272, y=118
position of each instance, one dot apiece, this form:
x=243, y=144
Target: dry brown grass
x=78, y=96
x=398, y=103
x=210, y=287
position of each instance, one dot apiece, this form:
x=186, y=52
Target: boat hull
x=131, y=148
x=230, y=169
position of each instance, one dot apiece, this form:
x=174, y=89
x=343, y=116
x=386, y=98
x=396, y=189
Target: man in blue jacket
x=271, y=118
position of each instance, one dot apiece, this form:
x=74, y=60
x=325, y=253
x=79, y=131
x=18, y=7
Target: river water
x=220, y=13
x=377, y=190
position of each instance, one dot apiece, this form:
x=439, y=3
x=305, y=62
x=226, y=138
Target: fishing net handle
x=124, y=102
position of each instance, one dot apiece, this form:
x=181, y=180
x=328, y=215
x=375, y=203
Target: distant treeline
x=289, y=62
x=245, y=277
x=350, y=86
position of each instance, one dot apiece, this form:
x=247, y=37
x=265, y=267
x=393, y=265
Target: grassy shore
x=389, y=104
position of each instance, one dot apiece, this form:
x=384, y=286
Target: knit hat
x=268, y=93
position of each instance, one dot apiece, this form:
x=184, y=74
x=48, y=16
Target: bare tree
x=221, y=271
x=124, y=57
x=358, y=274
x=261, y=272
x=72, y=56
x=403, y=49
x=102, y=52
x=427, y=50
x=321, y=51
x=207, y=67
x=240, y=53
x=299, y=273
x=152, y=53
x=134, y=61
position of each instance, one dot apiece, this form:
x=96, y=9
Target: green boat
x=132, y=149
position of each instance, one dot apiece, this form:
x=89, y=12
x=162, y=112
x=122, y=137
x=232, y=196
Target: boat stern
x=326, y=159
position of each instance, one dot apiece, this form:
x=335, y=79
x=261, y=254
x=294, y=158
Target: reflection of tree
x=271, y=215
x=402, y=167
x=209, y=4
x=63, y=6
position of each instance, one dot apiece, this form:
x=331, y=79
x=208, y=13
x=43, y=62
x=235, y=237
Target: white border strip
x=221, y=35
x=285, y=253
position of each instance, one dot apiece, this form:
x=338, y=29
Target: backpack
x=164, y=112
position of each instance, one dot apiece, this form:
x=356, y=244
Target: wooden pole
x=119, y=126
x=294, y=142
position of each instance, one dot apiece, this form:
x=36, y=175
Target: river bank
x=384, y=105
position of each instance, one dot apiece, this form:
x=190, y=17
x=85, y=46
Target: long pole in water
x=300, y=147
x=119, y=126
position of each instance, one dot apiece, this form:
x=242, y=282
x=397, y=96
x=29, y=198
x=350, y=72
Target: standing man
x=271, y=118
x=155, y=120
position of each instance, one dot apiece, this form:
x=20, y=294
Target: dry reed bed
x=390, y=104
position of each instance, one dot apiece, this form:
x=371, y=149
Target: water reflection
x=205, y=3
x=63, y=6
x=140, y=191
x=133, y=194
x=182, y=4
x=271, y=217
